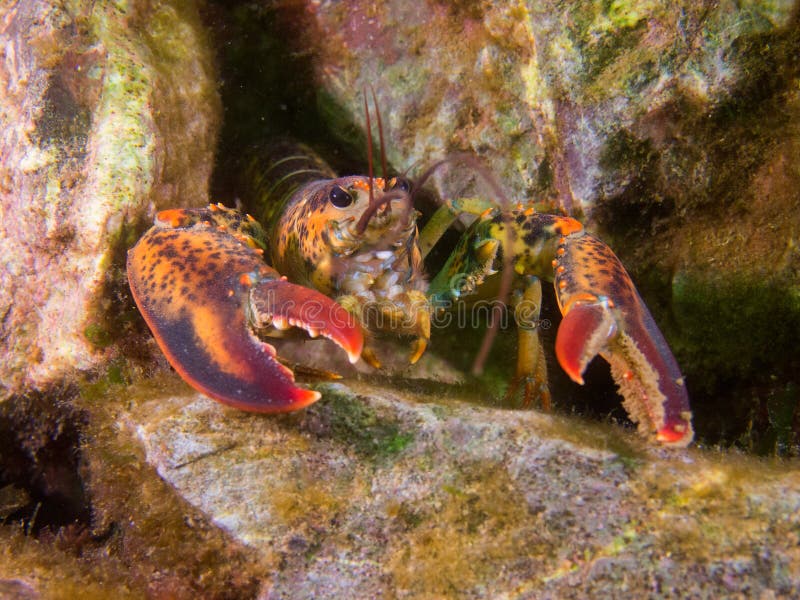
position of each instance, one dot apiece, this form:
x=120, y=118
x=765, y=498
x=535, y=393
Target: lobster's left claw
x=604, y=314
x=193, y=286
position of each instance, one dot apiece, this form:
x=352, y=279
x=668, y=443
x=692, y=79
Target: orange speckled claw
x=604, y=314
x=193, y=287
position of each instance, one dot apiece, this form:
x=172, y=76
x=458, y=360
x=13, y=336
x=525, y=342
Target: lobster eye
x=402, y=184
x=340, y=197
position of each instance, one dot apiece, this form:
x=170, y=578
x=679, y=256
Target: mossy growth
x=59, y=569
x=735, y=326
x=604, y=31
x=483, y=523
x=148, y=529
x=113, y=317
x=98, y=524
x=349, y=421
x=709, y=509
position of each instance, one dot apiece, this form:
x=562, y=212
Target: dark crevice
x=40, y=460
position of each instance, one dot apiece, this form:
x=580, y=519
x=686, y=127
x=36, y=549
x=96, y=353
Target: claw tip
x=353, y=356
x=311, y=396
x=677, y=432
x=675, y=435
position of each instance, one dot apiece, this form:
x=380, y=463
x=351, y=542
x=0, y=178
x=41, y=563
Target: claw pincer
x=199, y=280
x=604, y=314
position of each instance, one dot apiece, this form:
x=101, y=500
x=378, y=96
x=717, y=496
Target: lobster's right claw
x=604, y=314
x=195, y=286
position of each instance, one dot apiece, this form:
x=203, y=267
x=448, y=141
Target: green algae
x=625, y=151
x=125, y=161
x=353, y=423
x=736, y=340
x=605, y=34
x=98, y=336
x=112, y=316
x=729, y=326
x=124, y=121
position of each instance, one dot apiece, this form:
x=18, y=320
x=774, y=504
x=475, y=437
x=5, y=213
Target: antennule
x=384, y=170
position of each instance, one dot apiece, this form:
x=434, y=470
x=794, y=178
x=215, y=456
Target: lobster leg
x=199, y=288
x=531, y=361
x=604, y=314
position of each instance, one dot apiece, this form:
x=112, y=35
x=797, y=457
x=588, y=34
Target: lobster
x=342, y=257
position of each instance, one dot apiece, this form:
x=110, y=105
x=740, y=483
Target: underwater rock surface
x=568, y=102
x=108, y=111
x=375, y=493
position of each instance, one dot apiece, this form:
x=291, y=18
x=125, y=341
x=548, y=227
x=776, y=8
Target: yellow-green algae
x=168, y=62
x=463, y=540
x=482, y=521
x=59, y=573
x=483, y=524
x=143, y=540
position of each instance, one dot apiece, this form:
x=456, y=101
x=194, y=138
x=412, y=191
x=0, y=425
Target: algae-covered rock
x=374, y=492
x=109, y=109
x=377, y=491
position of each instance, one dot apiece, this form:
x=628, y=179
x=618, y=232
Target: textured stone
x=109, y=110
x=546, y=91
x=373, y=492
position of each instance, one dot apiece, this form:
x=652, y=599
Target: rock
x=374, y=492
x=557, y=97
x=108, y=112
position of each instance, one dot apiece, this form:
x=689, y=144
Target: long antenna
x=369, y=149
x=389, y=195
x=384, y=170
